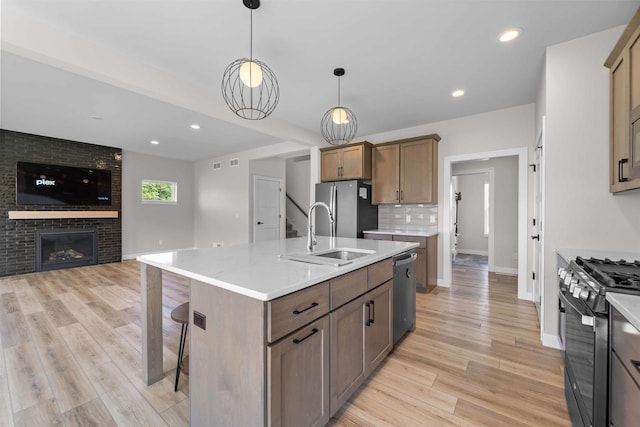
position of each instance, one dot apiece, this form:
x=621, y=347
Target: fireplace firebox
x=56, y=249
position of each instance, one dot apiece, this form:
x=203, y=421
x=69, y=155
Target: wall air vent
x=234, y=162
x=217, y=166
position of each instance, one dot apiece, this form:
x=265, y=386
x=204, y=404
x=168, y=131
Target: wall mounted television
x=40, y=184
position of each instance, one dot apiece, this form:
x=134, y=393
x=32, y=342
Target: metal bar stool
x=180, y=314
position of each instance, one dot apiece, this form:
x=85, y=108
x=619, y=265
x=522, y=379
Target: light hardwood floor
x=70, y=356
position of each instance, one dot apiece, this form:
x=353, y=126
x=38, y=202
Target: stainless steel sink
x=343, y=254
x=335, y=257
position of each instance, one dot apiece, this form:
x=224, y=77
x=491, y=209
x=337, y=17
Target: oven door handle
x=587, y=318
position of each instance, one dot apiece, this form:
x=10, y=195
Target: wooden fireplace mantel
x=61, y=214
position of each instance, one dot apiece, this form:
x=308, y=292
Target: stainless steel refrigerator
x=351, y=206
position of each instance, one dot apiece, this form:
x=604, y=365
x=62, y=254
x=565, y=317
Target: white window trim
x=174, y=192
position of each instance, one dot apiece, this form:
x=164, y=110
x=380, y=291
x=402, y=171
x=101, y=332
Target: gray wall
x=145, y=225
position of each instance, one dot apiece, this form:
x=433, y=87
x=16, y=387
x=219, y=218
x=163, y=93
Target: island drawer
x=293, y=311
x=379, y=273
x=347, y=287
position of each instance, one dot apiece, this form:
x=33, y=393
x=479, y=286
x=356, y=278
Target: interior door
x=538, y=270
x=266, y=208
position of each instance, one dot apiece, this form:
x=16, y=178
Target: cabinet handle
x=298, y=341
x=636, y=364
x=372, y=311
x=296, y=312
x=341, y=170
x=401, y=194
x=620, y=163
x=368, y=307
x=397, y=198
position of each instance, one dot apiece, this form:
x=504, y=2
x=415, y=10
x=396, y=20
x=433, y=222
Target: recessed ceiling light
x=154, y=142
x=510, y=34
x=195, y=126
x=457, y=93
x=96, y=117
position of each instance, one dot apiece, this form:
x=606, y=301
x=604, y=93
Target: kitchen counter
x=628, y=305
x=569, y=254
x=428, y=232
x=256, y=271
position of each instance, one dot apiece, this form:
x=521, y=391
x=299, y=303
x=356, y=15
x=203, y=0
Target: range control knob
x=567, y=278
x=584, y=294
x=577, y=290
x=573, y=284
x=561, y=272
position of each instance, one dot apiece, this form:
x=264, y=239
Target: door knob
x=536, y=237
x=260, y=222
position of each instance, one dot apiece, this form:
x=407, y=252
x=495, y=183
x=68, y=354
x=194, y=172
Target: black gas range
x=584, y=283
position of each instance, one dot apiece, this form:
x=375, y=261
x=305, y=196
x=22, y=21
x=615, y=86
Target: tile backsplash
x=409, y=217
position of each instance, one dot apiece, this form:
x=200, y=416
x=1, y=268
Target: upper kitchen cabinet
x=624, y=113
x=406, y=171
x=351, y=161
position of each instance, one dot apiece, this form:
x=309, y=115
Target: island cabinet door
x=379, y=325
x=347, y=351
x=298, y=377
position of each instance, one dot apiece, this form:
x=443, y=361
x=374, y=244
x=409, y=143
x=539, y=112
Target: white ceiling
x=403, y=58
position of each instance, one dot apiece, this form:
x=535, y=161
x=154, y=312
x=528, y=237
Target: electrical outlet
x=432, y=219
x=160, y=242
x=408, y=219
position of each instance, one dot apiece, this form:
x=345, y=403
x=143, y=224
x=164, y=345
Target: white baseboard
x=553, y=341
x=444, y=285
x=472, y=252
x=504, y=270
x=527, y=296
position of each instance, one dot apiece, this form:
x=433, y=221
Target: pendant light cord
x=338, y=91
x=251, y=36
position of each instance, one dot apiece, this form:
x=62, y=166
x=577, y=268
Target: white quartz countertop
x=569, y=254
x=255, y=269
x=429, y=232
x=628, y=305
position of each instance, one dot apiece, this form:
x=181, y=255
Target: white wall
x=471, y=238
x=298, y=182
x=222, y=197
x=144, y=225
x=493, y=131
x=274, y=168
x=580, y=212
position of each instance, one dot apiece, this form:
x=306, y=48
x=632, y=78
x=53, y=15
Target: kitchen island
x=265, y=329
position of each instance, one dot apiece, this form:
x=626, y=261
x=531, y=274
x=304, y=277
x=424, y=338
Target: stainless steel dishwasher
x=404, y=294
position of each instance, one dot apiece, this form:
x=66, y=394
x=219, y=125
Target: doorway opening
x=513, y=259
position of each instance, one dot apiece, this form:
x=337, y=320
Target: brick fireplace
x=18, y=237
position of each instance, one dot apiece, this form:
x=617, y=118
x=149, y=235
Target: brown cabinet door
x=421, y=270
x=386, y=178
x=352, y=164
x=416, y=172
x=298, y=377
x=379, y=324
x=331, y=161
x=375, y=236
x=347, y=351
x=634, y=123
x=634, y=75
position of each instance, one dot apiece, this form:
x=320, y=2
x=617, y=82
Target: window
x=486, y=209
x=159, y=192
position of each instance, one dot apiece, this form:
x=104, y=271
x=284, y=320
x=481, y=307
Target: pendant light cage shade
x=250, y=89
x=339, y=125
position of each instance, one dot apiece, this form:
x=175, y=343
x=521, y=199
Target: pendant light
x=249, y=87
x=339, y=125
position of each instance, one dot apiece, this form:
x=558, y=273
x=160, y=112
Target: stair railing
x=296, y=205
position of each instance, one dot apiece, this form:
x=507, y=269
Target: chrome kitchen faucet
x=311, y=237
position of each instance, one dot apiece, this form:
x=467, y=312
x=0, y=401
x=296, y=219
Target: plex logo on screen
x=48, y=182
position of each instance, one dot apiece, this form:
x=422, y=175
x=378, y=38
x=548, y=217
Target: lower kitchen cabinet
x=298, y=377
x=347, y=351
x=427, y=260
x=361, y=337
